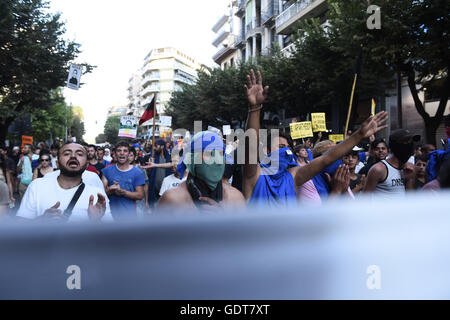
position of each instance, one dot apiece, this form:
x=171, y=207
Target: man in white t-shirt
x=47, y=198
x=89, y=178
x=173, y=180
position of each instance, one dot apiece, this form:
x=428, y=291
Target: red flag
x=148, y=113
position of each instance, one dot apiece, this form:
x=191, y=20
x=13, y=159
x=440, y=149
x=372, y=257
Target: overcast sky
x=116, y=36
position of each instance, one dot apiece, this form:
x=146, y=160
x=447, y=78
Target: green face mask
x=210, y=172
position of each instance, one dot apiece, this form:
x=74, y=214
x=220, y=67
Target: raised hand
x=256, y=93
x=340, y=181
x=97, y=211
x=374, y=124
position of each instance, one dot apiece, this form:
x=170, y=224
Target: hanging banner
x=73, y=80
x=301, y=130
x=128, y=127
x=165, y=121
x=336, y=137
x=318, y=122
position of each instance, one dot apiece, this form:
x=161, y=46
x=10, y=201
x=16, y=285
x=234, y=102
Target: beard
x=70, y=173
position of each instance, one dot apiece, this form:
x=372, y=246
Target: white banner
x=73, y=80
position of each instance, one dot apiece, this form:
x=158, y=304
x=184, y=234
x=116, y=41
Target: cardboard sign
x=26, y=140
x=73, y=80
x=301, y=130
x=318, y=122
x=128, y=127
x=165, y=121
x=336, y=137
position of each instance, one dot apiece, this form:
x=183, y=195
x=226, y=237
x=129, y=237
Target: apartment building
x=260, y=25
x=163, y=72
x=134, y=94
x=227, y=31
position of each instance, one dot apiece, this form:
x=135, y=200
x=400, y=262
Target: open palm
x=256, y=93
x=374, y=124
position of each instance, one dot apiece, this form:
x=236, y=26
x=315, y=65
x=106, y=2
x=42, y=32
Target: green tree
x=413, y=41
x=101, y=138
x=77, y=128
x=34, y=58
x=111, y=129
x=51, y=122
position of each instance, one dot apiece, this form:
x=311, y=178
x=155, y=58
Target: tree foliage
x=111, y=129
x=34, y=58
x=413, y=40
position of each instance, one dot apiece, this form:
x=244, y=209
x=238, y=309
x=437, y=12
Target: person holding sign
x=276, y=186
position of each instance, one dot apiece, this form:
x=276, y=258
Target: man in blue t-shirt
x=124, y=184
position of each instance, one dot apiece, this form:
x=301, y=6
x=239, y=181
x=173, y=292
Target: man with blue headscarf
x=273, y=181
x=205, y=159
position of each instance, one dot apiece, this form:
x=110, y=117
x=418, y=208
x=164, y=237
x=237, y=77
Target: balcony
x=241, y=8
x=270, y=12
x=220, y=23
x=149, y=90
x=150, y=78
x=240, y=41
x=224, y=53
x=302, y=9
x=220, y=38
x=184, y=78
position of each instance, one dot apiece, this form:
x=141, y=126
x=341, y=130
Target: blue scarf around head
x=275, y=185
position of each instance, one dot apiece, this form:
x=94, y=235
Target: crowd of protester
x=77, y=181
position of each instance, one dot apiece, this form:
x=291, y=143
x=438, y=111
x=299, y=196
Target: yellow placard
x=336, y=137
x=318, y=122
x=301, y=130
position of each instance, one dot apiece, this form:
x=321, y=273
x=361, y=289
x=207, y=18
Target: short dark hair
x=376, y=142
x=92, y=146
x=280, y=135
x=44, y=153
x=54, y=146
x=122, y=144
x=421, y=157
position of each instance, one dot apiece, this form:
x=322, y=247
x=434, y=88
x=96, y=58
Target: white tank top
x=394, y=184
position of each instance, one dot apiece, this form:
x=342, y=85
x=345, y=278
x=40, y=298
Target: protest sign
x=318, y=122
x=26, y=140
x=165, y=121
x=301, y=130
x=336, y=137
x=128, y=127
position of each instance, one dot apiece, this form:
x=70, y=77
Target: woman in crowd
x=44, y=166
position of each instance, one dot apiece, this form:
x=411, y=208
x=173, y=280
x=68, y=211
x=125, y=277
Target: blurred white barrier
x=308, y=253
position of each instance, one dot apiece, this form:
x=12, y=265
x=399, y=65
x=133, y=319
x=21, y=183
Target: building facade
x=257, y=26
x=163, y=72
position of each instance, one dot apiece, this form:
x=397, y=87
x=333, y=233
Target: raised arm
x=256, y=95
x=371, y=126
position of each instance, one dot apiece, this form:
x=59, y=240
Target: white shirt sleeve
x=28, y=206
